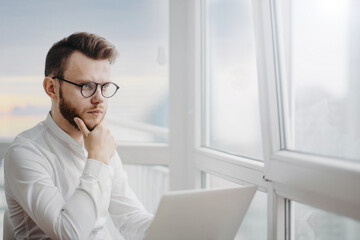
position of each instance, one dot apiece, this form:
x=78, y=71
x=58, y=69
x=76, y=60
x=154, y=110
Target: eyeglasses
x=89, y=88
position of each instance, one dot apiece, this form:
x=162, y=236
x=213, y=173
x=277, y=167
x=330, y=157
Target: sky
x=29, y=28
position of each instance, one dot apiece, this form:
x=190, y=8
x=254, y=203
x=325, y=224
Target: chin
x=90, y=127
x=92, y=124
x=92, y=120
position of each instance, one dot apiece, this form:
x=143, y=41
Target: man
x=63, y=178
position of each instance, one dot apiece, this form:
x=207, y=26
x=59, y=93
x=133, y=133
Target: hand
x=99, y=143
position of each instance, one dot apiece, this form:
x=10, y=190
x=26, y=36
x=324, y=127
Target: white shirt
x=54, y=192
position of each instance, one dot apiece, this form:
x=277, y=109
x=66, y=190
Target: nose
x=97, y=97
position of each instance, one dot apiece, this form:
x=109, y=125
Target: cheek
x=71, y=94
x=79, y=105
x=82, y=107
x=76, y=98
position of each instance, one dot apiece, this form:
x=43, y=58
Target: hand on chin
x=91, y=123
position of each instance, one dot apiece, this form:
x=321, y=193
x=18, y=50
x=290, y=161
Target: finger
x=81, y=125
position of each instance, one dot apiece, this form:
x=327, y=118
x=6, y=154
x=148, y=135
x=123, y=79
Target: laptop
x=201, y=214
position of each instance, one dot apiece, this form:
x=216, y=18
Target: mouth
x=96, y=112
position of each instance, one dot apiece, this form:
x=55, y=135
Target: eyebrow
x=82, y=81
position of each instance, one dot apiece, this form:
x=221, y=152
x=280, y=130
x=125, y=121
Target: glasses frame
x=82, y=84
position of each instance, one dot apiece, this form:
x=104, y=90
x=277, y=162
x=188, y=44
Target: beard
x=69, y=113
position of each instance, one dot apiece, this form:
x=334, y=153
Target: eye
x=106, y=85
x=88, y=86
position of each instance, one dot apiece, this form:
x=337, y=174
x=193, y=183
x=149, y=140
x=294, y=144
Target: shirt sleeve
x=28, y=177
x=127, y=212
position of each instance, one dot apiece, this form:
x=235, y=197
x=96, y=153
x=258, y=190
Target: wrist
x=98, y=157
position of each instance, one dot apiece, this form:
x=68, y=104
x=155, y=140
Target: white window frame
x=230, y=166
x=325, y=183
x=185, y=104
x=186, y=67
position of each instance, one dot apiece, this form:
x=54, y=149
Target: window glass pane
x=253, y=226
x=232, y=109
x=319, y=59
x=138, y=112
x=314, y=224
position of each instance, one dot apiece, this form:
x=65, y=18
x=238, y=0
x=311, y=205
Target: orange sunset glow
x=23, y=103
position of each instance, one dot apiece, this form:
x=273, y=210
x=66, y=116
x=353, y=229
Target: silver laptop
x=201, y=214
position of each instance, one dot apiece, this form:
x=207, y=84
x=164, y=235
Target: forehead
x=81, y=67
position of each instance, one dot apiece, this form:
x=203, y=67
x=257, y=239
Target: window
x=306, y=82
x=231, y=109
x=312, y=134
x=312, y=223
x=138, y=113
x=305, y=79
x=253, y=226
x=231, y=142
x=319, y=77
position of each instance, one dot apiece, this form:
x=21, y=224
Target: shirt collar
x=61, y=134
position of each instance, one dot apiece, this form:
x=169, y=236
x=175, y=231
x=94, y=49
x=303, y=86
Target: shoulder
x=32, y=134
x=26, y=149
x=26, y=141
x=23, y=153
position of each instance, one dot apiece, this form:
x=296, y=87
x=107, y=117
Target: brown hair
x=91, y=45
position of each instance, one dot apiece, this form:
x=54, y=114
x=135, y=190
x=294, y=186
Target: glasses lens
x=88, y=89
x=109, y=89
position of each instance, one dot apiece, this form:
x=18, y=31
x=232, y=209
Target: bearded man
x=63, y=177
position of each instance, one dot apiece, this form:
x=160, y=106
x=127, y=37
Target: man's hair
x=92, y=45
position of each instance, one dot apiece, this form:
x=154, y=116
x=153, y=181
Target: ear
x=50, y=87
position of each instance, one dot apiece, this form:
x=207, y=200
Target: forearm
x=76, y=218
x=137, y=224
